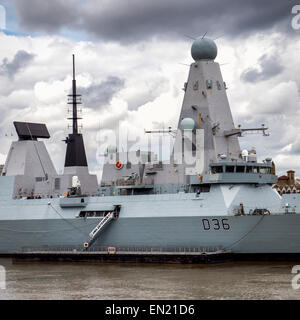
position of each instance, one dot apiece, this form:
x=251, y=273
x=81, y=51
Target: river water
x=232, y=280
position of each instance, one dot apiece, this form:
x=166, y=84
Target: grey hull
x=246, y=234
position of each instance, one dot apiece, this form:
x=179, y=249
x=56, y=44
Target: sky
x=132, y=60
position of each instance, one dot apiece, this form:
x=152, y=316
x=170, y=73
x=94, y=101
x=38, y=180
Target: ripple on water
x=148, y=281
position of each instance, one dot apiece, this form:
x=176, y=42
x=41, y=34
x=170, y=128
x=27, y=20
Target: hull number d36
x=215, y=224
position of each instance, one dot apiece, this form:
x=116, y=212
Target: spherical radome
x=204, y=49
x=187, y=124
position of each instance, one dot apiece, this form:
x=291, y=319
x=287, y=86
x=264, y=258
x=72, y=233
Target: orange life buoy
x=119, y=165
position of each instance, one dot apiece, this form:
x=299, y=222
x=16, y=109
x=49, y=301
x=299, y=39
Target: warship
x=223, y=200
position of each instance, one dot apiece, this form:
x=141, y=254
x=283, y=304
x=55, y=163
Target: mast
x=75, y=154
x=74, y=100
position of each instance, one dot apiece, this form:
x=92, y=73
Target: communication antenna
x=184, y=64
x=74, y=99
x=75, y=154
x=163, y=131
x=239, y=131
x=204, y=34
x=218, y=37
x=193, y=38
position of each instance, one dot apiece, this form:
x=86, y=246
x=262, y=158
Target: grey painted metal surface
x=184, y=219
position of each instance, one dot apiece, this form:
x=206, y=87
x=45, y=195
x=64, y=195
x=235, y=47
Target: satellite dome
x=204, y=49
x=187, y=124
x=245, y=153
x=111, y=149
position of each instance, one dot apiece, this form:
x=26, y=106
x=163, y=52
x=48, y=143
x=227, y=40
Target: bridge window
x=240, y=168
x=217, y=169
x=265, y=170
x=229, y=168
x=249, y=169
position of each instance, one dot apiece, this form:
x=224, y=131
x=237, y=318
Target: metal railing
x=135, y=182
x=123, y=249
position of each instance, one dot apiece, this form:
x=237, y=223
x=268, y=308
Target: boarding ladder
x=94, y=234
x=101, y=225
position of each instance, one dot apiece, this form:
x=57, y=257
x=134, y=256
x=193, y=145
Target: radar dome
x=187, y=124
x=204, y=49
x=245, y=153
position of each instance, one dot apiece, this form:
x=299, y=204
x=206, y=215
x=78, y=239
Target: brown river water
x=232, y=280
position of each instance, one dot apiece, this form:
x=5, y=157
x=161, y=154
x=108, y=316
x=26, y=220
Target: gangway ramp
x=101, y=225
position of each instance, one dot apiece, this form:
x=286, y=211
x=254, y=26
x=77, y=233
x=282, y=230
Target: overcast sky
x=130, y=58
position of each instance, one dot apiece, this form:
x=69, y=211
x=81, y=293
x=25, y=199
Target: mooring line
x=244, y=236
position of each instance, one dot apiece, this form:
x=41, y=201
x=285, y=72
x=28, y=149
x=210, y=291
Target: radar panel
x=31, y=131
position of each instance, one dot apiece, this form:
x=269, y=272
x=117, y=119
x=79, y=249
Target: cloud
x=50, y=16
x=148, y=91
x=136, y=20
x=20, y=60
x=278, y=99
x=269, y=67
x=295, y=146
x=99, y=95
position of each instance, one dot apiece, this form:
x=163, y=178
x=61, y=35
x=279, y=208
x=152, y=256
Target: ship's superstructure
x=75, y=161
x=224, y=199
x=29, y=162
x=205, y=132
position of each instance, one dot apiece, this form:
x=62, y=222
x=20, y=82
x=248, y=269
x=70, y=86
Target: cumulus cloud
x=99, y=95
x=148, y=91
x=295, y=146
x=281, y=98
x=268, y=67
x=19, y=61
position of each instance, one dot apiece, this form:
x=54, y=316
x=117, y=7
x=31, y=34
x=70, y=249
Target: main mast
x=74, y=101
x=75, y=155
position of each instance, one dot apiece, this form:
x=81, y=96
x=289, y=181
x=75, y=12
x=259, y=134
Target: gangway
x=94, y=234
x=101, y=225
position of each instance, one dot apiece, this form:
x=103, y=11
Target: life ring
x=111, y=250
x=119, y=165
